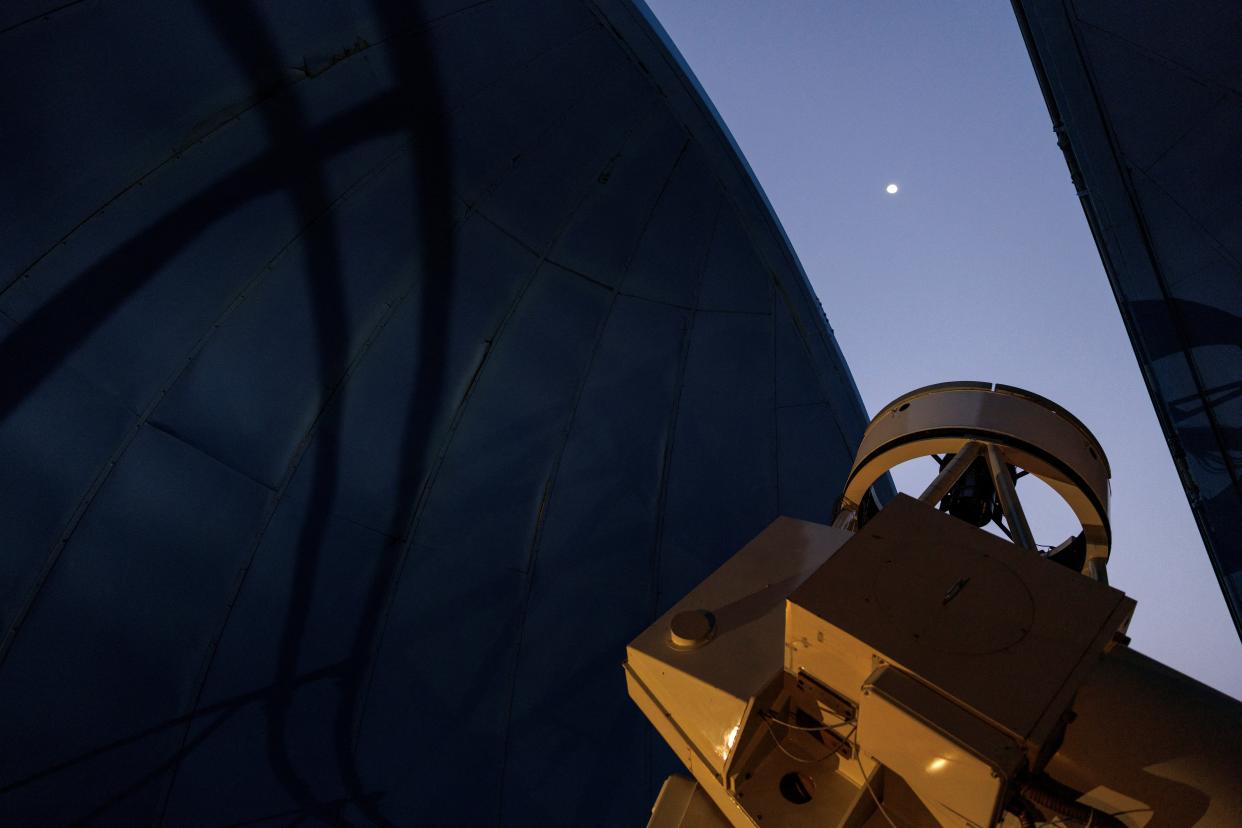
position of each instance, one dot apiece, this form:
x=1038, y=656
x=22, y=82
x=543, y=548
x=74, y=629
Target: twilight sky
x=981, y=267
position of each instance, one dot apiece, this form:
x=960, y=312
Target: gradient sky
x=982, y=267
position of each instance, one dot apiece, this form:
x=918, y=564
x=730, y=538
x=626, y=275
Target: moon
x=891, y=189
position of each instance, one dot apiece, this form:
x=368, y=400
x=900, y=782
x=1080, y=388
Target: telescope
x=924, y=663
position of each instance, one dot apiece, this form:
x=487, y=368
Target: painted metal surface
x=705, y=703
x=950, y=656
x=1147, y=103
x=1005, y=423
x=370, y=374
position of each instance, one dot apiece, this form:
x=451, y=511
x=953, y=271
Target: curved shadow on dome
x=509, y=351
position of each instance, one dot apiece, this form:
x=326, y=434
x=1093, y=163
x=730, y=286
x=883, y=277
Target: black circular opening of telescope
x=798, y=788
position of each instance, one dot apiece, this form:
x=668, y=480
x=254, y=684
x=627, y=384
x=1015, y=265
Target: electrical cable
x=1064, y=821
x=1025, y=820
x=781, y=748
x=867, y=781
x=1028, y=816
x=812, y=729
x=1071, y=809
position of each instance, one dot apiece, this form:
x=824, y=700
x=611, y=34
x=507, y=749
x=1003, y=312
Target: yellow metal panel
x=706, y=689
x=682, y=803
x=952, y=760
x=1004, y=633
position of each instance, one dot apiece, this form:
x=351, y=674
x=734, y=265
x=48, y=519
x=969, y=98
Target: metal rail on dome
x=985, y=431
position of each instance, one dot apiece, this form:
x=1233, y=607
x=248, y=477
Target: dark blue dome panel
x=370, y=374
x=1147, y=102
